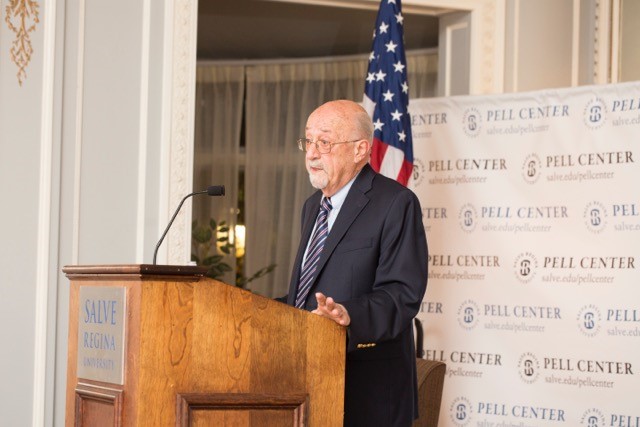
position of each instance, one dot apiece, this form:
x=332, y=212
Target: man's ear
x=361, y=150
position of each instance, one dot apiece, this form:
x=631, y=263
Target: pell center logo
x=595, y=217
x=531, y=168
x=525, y=267
x=595, y=113
x=460, y=411
x=589, y=320
x=418, y=173
x=592, y=418
x=468, y=315
x=468, y=217
x=472, y=122
x=528, y=368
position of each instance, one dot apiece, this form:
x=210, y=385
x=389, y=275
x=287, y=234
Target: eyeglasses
x=323, y=146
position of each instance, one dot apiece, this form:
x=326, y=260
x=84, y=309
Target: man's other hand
x=330, y=309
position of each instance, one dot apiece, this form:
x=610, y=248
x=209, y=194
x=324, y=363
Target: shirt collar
x=338, y=199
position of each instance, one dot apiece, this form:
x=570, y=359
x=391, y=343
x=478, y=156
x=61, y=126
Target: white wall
x=110, y=141
x=539, y=43
x=20, y=178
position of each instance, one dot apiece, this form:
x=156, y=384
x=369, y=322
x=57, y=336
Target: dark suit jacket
x=374, y=262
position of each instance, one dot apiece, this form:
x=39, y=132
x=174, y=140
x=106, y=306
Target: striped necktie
x=313, y=253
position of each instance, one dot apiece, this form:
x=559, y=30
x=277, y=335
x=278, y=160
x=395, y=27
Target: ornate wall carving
x=182, y=116
x=22, y=17
x=488, y=66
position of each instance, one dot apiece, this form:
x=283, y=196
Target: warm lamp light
x=239, y=240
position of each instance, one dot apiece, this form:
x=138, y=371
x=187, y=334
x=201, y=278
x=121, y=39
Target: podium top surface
x=134, y=270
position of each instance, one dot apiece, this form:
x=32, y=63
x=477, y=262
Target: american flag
x=386, y=96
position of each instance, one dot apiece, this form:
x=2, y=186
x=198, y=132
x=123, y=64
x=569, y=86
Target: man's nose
x=312, y=151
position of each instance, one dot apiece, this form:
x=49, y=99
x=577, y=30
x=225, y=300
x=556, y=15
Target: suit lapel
x=354, y=204
x=309, y=222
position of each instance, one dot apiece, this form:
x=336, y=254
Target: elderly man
x=362, y=262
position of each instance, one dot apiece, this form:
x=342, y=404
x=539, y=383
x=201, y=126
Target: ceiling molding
x=410, y=7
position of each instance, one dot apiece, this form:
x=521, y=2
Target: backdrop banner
x=532, y=212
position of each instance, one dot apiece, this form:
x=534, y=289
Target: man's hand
x=330, y=309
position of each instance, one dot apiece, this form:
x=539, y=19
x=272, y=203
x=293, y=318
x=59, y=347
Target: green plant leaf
x=202, y=235
x=211, y=260
x=224, y=267
x=206, y=252
x=214, y=272
x=262, y=272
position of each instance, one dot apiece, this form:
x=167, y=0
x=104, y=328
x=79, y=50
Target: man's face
x=331, y=171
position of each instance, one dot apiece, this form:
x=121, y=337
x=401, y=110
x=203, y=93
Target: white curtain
x=422, y=69
x=279, y=99
x=218, y=121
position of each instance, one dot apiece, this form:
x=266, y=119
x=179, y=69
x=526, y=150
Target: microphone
x=213, y=190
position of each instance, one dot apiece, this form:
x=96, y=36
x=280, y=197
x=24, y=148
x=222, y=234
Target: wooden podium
x=188, y=350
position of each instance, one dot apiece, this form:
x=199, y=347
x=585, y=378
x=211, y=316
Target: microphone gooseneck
x=214, y=190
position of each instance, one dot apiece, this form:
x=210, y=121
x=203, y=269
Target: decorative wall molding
x=77, y=160
x=46, y=277
x=417, y=7
x=514, y=52
x=614, y=30
x=487, y=47
x=183, y=58
x=453, y=81
x=22, y=17
x=575, y=44
x=602, y=42
x=597, y=39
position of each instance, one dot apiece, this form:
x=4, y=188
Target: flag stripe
x=405, y=173
x=377, y=153
x=392, y=163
